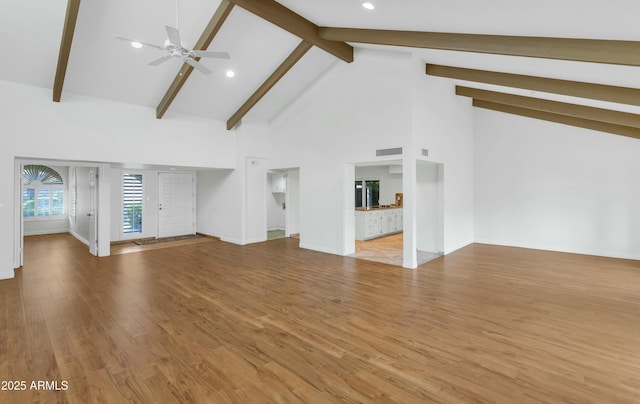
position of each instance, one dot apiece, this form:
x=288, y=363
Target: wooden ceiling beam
x=561, y=108
x=210, y=31
x=297, y=25
x=73, y=6
x=289, y=62
x=558, y=118
x=583, y=50
x=601, y=92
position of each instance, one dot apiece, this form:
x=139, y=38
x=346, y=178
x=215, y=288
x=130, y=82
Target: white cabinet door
x=376, y=223
x=374, y=226
x=399, y=220
x=370, y=225
x=384, y=220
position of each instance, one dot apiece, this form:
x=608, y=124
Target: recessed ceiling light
x=368, y=5
x=136, y=45
x=230, y=73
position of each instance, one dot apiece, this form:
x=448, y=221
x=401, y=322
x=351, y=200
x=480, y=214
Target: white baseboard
x=319, y=248
x=232, y=241
x=454, y=248
x=534, y=246
x=256, y=240
x=79, y=237
x=7, y=275
x=243, y=242
x=276, y=228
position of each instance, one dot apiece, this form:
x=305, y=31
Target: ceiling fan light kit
x=177, y=49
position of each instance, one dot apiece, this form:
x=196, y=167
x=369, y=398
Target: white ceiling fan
x=177, y=49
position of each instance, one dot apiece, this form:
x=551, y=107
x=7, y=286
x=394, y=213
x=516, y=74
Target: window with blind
x=132, y=203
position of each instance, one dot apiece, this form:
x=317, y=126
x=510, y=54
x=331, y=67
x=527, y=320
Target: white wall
x=443, y=124
x=234, y=221
x=381, y=100
x=390, y=184
x=342, y=119
x=429, y=214
x=256, y=199
x=88, y=129
x=555, y=187
x=51, y=226
x=213, y=207
x=293, y=202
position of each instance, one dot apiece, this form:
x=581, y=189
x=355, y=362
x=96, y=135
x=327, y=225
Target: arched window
x=42, y=192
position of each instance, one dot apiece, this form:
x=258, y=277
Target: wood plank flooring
x=388, y=250
x=219, y=323
x=131, y=247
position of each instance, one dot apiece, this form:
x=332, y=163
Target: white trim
x=7, y=275
x=232, y=241
x=45, y=218
x=408, y=265
x=256, y=240
x=104, y=210
x=18, y=224
x=320, y=249
x=79, y=237
x=133, y=236
x=545, y=247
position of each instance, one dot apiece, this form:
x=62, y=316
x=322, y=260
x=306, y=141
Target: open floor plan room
x=270, y=322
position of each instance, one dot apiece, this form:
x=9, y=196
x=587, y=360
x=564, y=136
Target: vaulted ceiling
x=100, y=66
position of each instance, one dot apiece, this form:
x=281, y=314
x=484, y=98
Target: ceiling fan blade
x=197, y=65
x=143, y=43
x=159, y=60
x=174, y=35
x=124, y=39
x=211, y=54
x=152, y=45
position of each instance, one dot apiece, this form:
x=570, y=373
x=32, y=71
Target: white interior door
x=176, y=204
x=93, y=209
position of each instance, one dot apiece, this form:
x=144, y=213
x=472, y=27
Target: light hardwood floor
x=388, y=250
x=269, y=322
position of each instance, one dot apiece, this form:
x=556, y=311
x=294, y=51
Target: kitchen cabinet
x=278, y=183
x=378, y=222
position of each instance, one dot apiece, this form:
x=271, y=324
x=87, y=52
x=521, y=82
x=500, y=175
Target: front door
x=176, y=204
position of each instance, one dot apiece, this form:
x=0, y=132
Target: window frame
x=36, y=173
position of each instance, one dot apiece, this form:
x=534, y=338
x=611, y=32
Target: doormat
x=146, y=241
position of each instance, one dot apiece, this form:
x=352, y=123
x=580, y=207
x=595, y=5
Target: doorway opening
x=283, y=203
x=55, y=197
x=379, y=212
x=378, y=198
